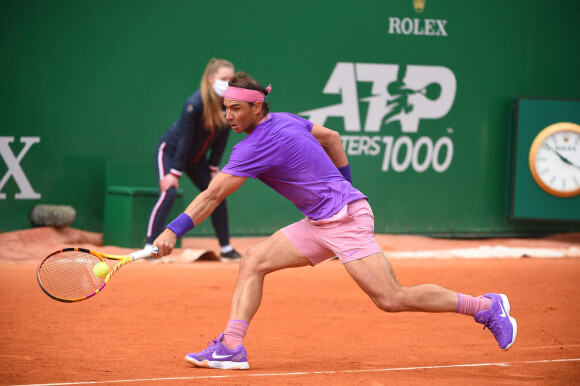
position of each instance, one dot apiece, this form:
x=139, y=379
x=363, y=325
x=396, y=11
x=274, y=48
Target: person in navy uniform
x=201, y=130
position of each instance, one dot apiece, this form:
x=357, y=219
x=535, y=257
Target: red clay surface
x=314, y=326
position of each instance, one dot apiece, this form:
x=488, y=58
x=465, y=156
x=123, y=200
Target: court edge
x=307, y=372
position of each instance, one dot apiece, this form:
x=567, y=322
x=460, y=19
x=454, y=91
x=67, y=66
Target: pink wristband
x=181, y=225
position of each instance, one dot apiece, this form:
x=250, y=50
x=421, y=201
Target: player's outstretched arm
x=219, y=188
x=200, y=208
x=330, y=141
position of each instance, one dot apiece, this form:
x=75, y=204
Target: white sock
x=227, y=248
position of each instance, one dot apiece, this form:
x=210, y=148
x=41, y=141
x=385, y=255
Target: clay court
x=314, y=327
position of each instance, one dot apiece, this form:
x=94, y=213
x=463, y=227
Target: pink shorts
x=349, y=234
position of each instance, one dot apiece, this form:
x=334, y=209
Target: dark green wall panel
x=101, y=80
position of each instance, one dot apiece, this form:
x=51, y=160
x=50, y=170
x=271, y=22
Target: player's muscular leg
x=375, y=276
x=274, y=253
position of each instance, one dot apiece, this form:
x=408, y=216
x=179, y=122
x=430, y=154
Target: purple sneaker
x=503, y=327
x=219, y=356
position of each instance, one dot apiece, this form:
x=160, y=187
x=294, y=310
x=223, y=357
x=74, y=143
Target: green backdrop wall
x=423, y=99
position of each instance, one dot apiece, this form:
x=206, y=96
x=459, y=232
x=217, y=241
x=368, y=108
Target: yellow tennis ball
x=101, y=269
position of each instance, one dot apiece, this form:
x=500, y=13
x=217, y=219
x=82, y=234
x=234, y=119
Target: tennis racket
x=68, y=275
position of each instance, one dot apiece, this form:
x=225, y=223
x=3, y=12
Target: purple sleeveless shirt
x=283, y=153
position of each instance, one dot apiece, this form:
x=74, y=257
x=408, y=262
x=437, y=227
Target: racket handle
x=144, y=253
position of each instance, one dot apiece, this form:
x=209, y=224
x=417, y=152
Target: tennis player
x=307, y=164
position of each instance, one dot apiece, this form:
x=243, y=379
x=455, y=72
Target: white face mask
x=220, y=87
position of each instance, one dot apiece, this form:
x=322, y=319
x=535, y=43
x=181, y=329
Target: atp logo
x=15, y=171
x=402, y=96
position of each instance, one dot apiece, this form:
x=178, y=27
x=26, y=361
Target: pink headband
x=246, y=95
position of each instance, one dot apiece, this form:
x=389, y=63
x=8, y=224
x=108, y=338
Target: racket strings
x=69, y=274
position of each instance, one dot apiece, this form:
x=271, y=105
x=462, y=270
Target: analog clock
x=555, y=159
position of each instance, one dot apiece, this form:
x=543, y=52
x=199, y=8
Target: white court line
x=487, y=252
x=505, y=364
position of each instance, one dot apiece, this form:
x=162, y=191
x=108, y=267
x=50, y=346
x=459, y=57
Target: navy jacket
x=190, y=140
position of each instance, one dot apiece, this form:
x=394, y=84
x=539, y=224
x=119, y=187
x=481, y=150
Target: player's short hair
x=244, y=80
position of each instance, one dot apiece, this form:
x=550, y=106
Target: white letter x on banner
x=14, y=169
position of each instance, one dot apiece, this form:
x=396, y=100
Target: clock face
x=555, y=159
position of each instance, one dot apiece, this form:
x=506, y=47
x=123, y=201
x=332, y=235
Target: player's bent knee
x=388, y=306
x=389, y=303
x=252, y=262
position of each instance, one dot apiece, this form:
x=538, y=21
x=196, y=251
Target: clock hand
x=566, y=160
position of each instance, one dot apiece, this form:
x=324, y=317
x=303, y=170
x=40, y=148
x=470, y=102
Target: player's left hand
x=165, y=243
